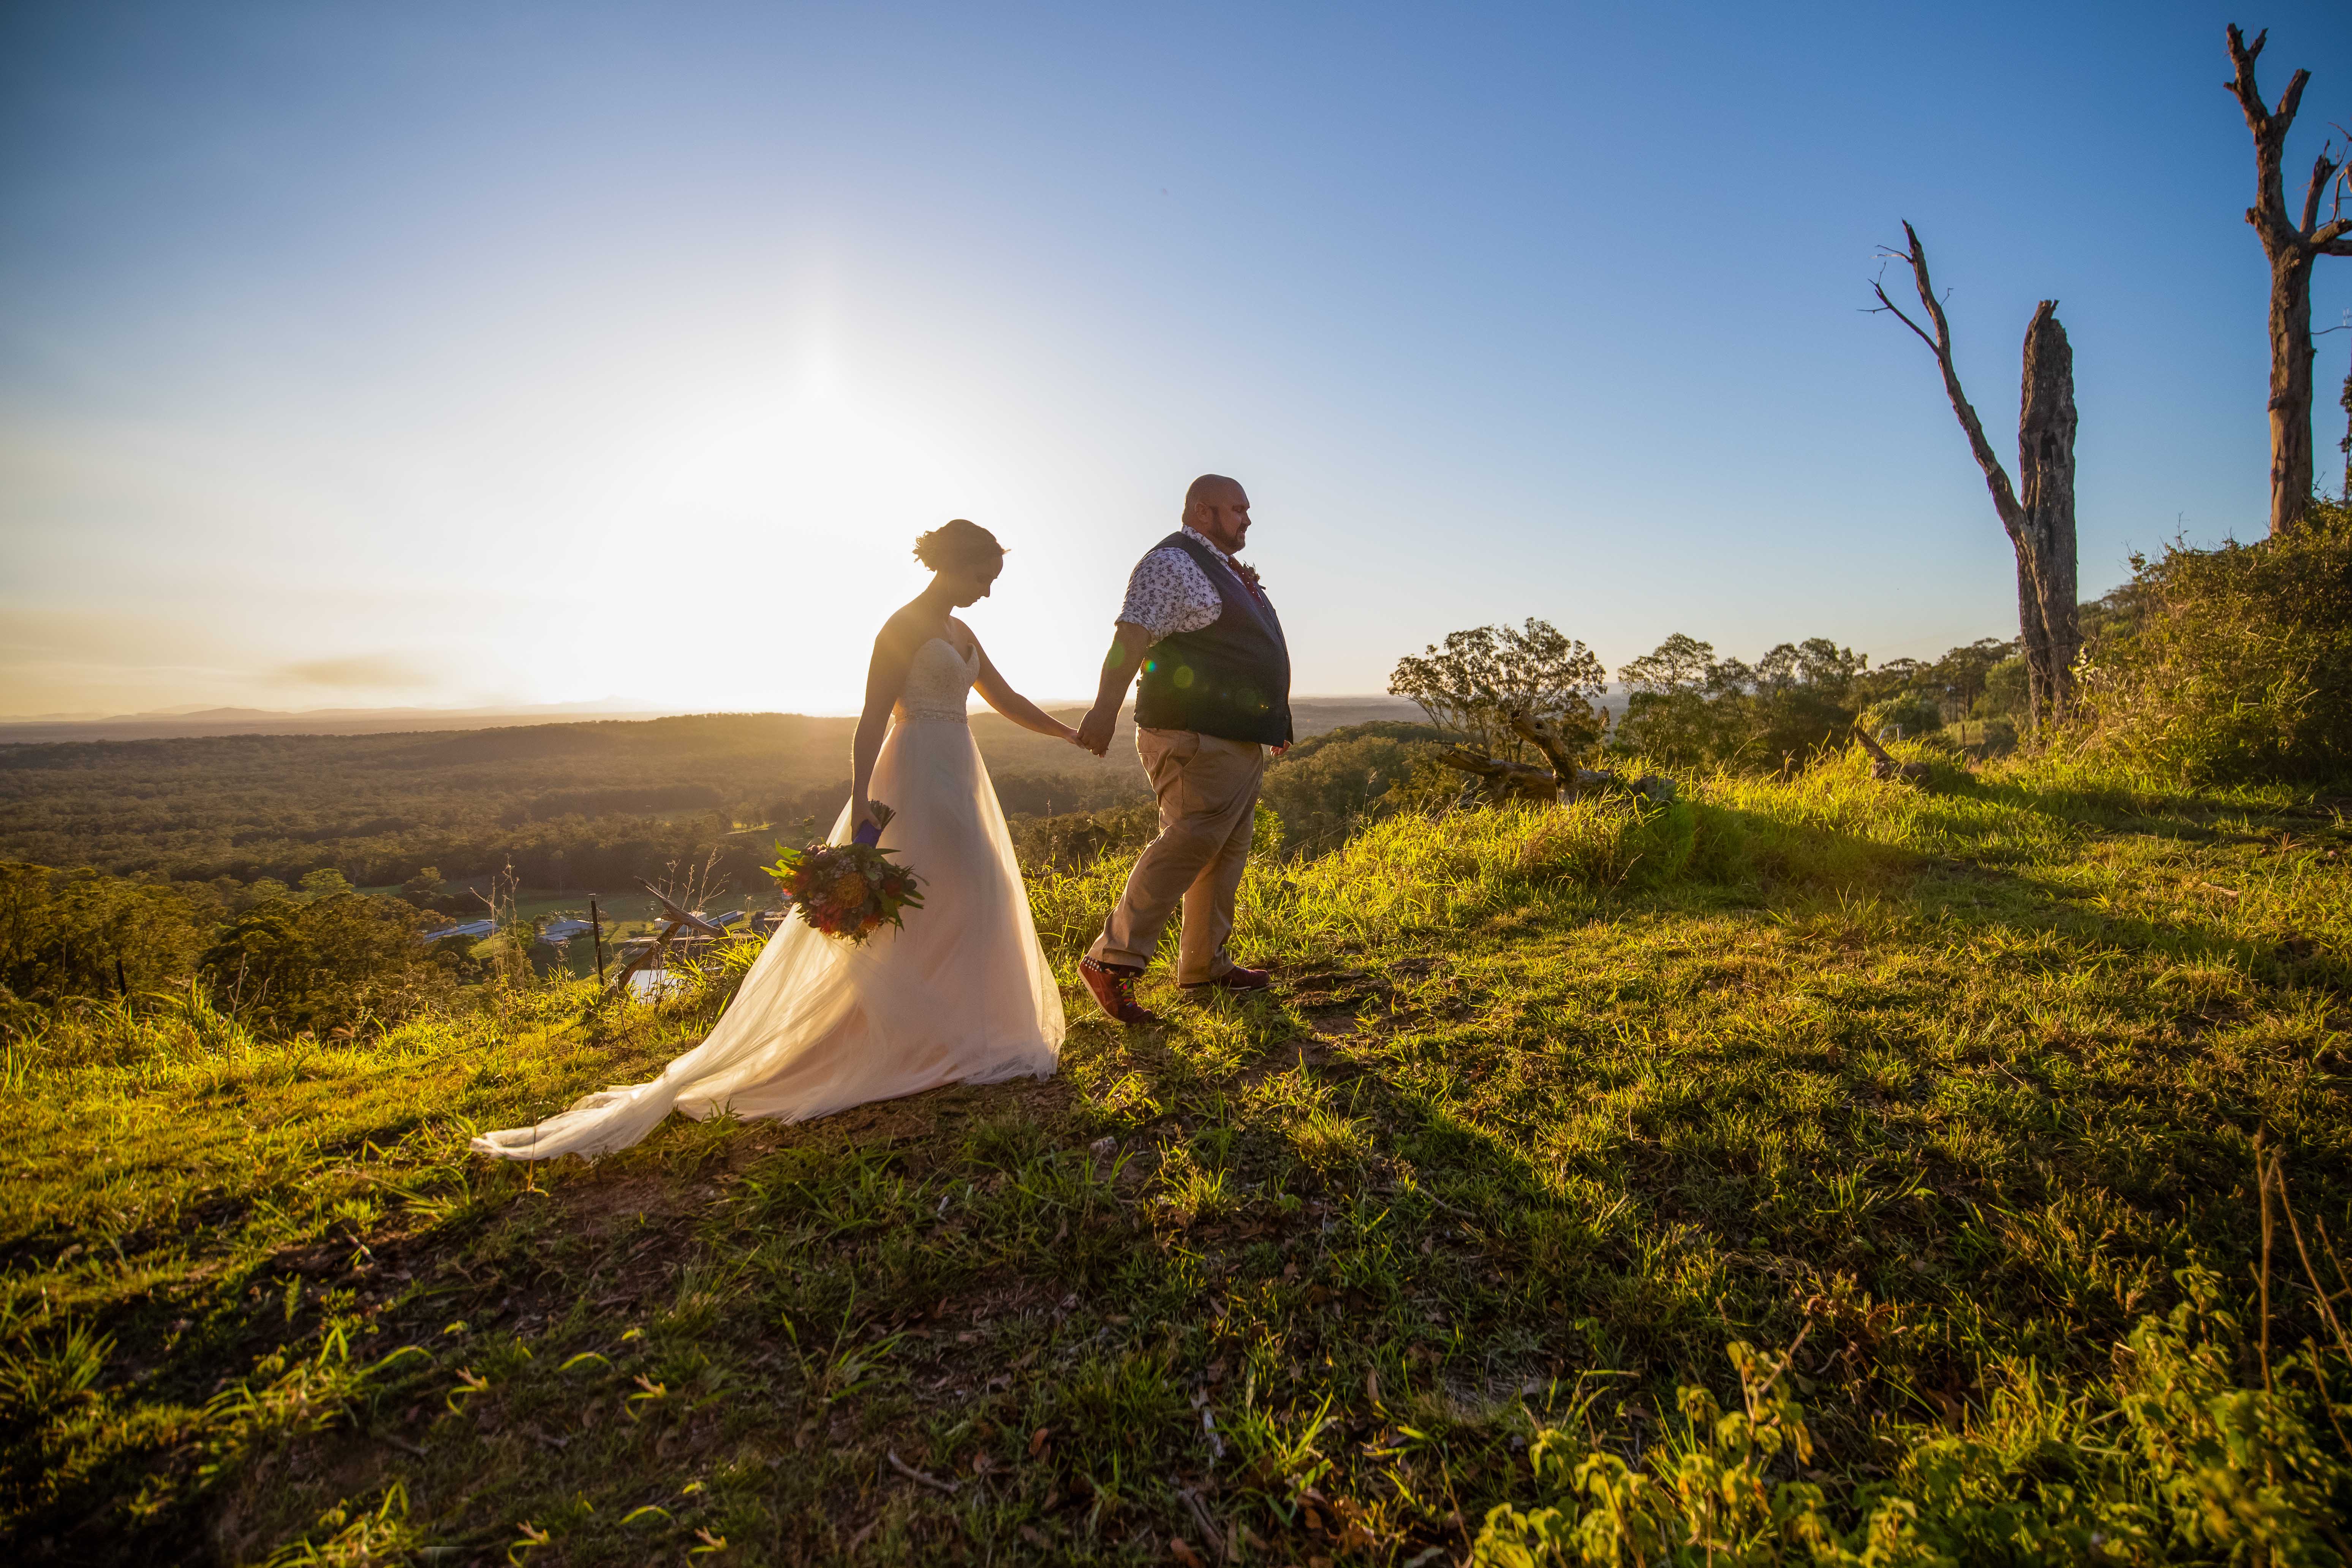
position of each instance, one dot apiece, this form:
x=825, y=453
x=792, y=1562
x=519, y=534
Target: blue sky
x=470, y=353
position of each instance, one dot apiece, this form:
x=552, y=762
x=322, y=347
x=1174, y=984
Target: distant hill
x=592, y=802
x=200, y=722
x=184, y=722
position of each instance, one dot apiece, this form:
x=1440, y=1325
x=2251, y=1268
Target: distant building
x=652, y=985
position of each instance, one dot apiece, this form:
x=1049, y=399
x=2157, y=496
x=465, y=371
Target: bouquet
x=848, y=890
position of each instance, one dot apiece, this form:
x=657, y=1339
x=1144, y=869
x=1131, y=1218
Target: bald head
x=1218, y=508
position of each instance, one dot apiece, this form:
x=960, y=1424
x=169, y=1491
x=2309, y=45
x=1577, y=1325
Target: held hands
x=1093, y=732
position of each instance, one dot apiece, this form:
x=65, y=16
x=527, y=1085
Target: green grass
x=1944, y=1101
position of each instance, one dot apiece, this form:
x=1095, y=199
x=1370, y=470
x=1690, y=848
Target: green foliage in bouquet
x=848, y=890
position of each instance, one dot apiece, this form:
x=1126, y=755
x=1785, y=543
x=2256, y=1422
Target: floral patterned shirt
x=1168, y=593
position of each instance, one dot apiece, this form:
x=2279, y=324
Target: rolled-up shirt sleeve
x=1168, y=594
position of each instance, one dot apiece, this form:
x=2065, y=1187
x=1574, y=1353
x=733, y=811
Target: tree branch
x=1550, y=742
x=2322, y=171
x=2269, y=213
x=1888, y=307
x=2004, y=495
x=2289, y=102
x=1518, y=779
x=2241, y=85
x=2264, y=123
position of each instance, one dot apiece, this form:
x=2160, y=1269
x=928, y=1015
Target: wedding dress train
x=962, y=994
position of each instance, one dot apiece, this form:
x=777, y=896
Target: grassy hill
x=1945, y=1101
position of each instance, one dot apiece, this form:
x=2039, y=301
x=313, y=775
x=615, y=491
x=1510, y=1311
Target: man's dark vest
x=1232, y=677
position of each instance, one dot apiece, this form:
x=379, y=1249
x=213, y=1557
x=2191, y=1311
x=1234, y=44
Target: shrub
x=1071, y=840
x=336, y=962
x=2230, y=665
x=2007, y=690
x=1327, y=784
x=1912, y=712
x=83, y=933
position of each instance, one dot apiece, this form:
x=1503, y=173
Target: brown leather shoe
x=1113, y=989
x=1236, y=979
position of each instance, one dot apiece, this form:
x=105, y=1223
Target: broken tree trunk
x=1882, y=763
x=2041, y=527
x=2290, y=248
x=1548, y=739
x=1562, y=781
x=2045, y=471
x=1509, y=780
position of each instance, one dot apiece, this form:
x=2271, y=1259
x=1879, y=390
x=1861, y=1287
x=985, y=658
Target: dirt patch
x=932, y=1121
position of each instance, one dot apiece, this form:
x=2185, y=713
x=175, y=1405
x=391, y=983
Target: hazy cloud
x=366, y=670
x=107, y=662
x=94, y=661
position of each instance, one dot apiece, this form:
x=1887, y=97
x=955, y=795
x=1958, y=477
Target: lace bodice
x=938, y=682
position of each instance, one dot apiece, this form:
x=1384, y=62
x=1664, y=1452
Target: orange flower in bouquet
x=848, y=890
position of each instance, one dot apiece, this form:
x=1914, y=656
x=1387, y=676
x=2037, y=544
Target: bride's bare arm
x=885, y=680
x=1013, y=705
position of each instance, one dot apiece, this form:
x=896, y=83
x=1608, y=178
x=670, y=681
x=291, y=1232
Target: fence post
x=597, y=934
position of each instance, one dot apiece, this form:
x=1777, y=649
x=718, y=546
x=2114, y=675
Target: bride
x=962, y=994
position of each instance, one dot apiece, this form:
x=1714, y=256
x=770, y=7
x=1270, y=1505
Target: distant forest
x=591, y=805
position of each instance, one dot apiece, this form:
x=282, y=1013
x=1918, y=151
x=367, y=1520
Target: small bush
x=2230, y=665
x=334, y=962
x=2007, y=690
x=1070, y=841
x=1328, y=785
x=1911, y=712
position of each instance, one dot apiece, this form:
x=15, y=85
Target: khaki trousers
x=1208, y=798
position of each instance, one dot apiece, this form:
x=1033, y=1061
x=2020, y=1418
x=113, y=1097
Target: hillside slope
x=1948, y=1095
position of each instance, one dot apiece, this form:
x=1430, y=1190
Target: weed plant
x=1813, y=1170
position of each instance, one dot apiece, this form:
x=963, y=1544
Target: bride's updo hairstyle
x=958, y=544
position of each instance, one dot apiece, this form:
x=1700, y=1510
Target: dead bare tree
x=1561, y=740
x=2039, y=525
x=1505, y=780
x=1558, y=749
x=2292, y=247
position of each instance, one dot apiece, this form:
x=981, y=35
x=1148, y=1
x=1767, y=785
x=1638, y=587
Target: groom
x=1215, y=694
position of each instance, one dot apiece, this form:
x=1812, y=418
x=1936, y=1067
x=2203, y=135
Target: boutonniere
x=1244, y=571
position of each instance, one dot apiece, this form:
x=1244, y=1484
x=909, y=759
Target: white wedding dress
x=962, y=994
